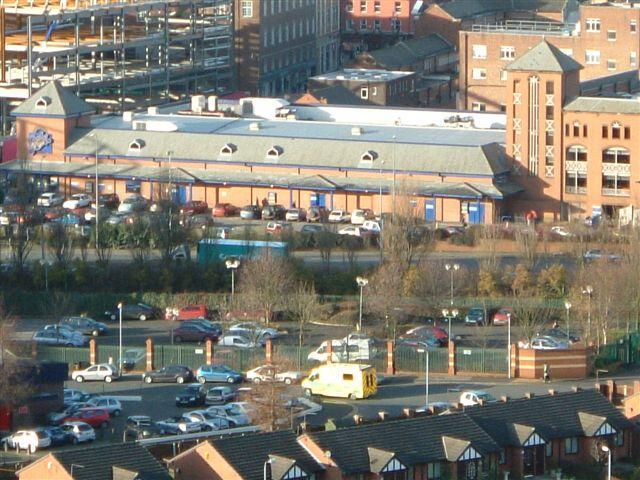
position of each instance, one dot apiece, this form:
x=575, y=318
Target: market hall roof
x=53, y=100
x=303, y=144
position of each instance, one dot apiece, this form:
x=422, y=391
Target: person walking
x=546, y=375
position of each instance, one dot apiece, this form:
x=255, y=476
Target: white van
x=357, y=351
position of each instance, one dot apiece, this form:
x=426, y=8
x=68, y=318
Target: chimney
x=197, y=103
x=357, y=419
x=504, y=399
x=481, y=402
x=408, y=412
x=383, y=415
x=529, y=395
x=356, y=131
x=212, y=103
x=552, y=392
x=152, y=110
x=576, y=389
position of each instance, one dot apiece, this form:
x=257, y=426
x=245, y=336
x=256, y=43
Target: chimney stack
x=357, y=419
x=576, y=389
x=504, y=399
x=529, y=395
x=552, y=392
x=408, y=412
x=383, y=415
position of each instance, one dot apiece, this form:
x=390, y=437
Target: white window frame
x=479, y=107
x=479, y=52
x=507, y=52
x=612, y=64
x=246, y=8
x=633, y=27
x=479, y=74
x=364, y=93
x=633, y=59
x=612, y=35
x=592, y=25
x=592, y=57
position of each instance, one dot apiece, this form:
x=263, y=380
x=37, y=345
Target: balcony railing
x=517, y=26
x=616, y=192
x=576, y=190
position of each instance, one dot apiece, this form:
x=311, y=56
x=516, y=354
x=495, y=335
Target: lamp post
x=120, y=338
x=169, y=154
x=362, y=282
x=451, y=268
x=449, y=315
x=381, y=221
x=567, y=306
x=509, y=346
x=266, y=474
x=97, y=191
x=233, y=264
x=588, y=290
x=393, y=210
x=426, y=373
x=607, y=450
x=46, y=264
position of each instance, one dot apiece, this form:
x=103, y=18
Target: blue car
x=475, y=316
x=217, y=373
x=58, y=436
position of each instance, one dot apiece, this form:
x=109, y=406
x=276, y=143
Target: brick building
x=275, y=45
x=603, y=38
x=328, y=35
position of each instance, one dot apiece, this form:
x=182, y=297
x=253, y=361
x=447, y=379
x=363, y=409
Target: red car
x=53, y=213
x=501, y=317
x=427, y=331
x=193, y=208
x=96, y=417
x=224, y=210
x=189, y=312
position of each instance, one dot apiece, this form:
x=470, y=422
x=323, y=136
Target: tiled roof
x=247, y=454
x=53, y=100
x=406, y=53
x=461, y=9
x=603, y=105
x=544, y=57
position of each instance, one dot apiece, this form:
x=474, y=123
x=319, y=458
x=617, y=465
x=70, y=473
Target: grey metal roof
x=53, y=100
x=372, y=184
x=305, y=144
x=603, y=105
x=462, y=9
x=362, y=75
x=407, y=53
x=544, y=57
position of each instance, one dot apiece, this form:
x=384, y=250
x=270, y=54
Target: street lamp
x=97, y=191
x=509, y=346
x=362, y=282
x=393, y=211
x=120, y=338
x=46, y=264
x=233, y=264
x=169, y=154
x=426, y=373
x=451, y=268
x=449, y=315
x=607, y=450
x=588, y=290
x=567, y=306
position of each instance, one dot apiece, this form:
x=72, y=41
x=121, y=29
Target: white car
x=77, y=200
x=372, y=226
x=234, y=412
x=269, y=373
x=134, y=203
x=179, y=425
x=236, y=341
x=254, y=330
x=359, y=216
x=355, y=231
x=80, y=432
x=474, y=397
x=110, y=404
x=547, y=343
x=208, y=420
x=102, y=372
x=339, y=216
x=50, y=199
x=597, y=254
x=562, y=232
x=30, y=440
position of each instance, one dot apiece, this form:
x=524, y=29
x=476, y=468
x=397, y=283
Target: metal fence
x=63, y=354
x=482, y=360
x=411, y=360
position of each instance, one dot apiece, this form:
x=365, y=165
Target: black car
x=250, y=212
x=169, y=374
x=141, y=426
x=134, y=311
x=86, y=326
x=191, y=396
x=58, y=436
x=273, y=212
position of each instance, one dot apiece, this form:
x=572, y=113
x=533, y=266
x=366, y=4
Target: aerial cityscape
x=319, y=240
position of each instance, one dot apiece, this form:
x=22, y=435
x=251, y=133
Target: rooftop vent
x=408, y=412
x=198, y=103
x=356, y=131
x=254, y=126
x=152, y=110
x=228, y=149
x=137, y=144
x=127, y=117
x=212, y=103
x=575, y=389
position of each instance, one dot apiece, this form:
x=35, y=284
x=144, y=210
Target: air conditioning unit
x=139, y=125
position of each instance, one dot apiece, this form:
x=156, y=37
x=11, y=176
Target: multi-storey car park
x=116, y=55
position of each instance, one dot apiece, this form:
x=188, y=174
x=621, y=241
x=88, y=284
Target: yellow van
x=346, y=380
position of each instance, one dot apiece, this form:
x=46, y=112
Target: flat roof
x=363, y=74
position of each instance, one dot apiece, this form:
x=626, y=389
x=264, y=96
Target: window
x=507, y=53
x=397, y=7
x=619, y=441
x=611, y=35
x=364, y=92
x=616, y=128
x=376, y=7
x=247, y=8
x=433, y=471
x=347, y=377
x=503, y=75
x=376, y=24
x=274, y=152
x=396, y=24
x=349, y=6
x=479, y=73
x=615, y=184
x=576, y=129
x=363, y=6
x=549, y=86
x=605, y=131
x=633, y=59
x=627, y=133
x=479, y=51
x=571, y=445
x=548, y=449
x=502, y=458
x=592, y=57
x=576, y=153
x=616, y=155
x=633, y=26
x=593, y=24
x=88, y=187
x=584, y=131
x=478, y=107
x=363, y=24
x=611, y=64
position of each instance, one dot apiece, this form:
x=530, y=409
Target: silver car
x=103, y=372
x=110, y=404
x=58, y=337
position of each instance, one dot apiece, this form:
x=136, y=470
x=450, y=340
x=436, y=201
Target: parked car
x=71, y=395
x=178, y=426
x=189, y=312
x=30, y=440
x=110, y=404
x=56, y=418
x=277, y=227
x=251, y=212
x=70, y=220
x=218, y=373
x=474, y=397
x=96, y=417
x=475, y=316
x=317, y=214
x=359, y=216
x=191, y=395
x=90, y=215
x=213, y=327
x=597, y=254
x=163, y=205
x=133, y=203
x=139, y=427
x=254, y=330
x=58, y=337
x=339, y=216
x=501, y=317
x=273, y=212
x=207, y=420
x=423, y=333
x=63, y=328
x=354, y=231
x=58, y=436
x=200, y=221
x=77, y=200
x=561, y=232
x=108, y=200
x=85, y=325
x=217, y=395
x=169, y=374
x=102, y=372
x=194, y=207
x=270, y=373
x=192, y=332
x=120, y=218
x=313, y=229
x=296, y=215
x=134, y=311
x=560, y=334
x=234, y=412
x=229, y=340
x=52, y=213
x=224, y=210
x=372, y=226
x=50, y=199
x=548, y=343
x=80, y=432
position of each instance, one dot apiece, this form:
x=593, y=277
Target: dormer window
x=274, y=152
x=136, y=145
x=228, y=149
x=43, y=102
x=368, y=156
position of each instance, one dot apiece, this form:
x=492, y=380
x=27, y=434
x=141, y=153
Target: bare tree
x=60, y=243
x=326, y=242
x=530, y=316
x=305, y=307
x=385, y=296
x=527, y=242
x=138, y=235
x=106, y=241
x=14, y=384
x=268, y=405
x=490, y=235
